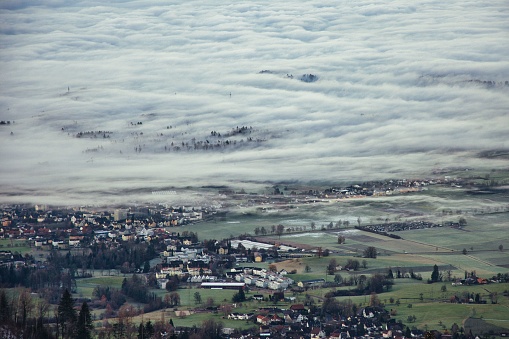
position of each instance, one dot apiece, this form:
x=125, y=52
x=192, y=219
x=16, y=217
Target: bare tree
x=125, y=320
x=25, y=306
x=42, y=309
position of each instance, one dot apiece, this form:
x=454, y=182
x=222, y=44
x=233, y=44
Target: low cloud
x=401, y=90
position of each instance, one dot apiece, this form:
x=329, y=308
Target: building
x=119, y=214
x=223, y=285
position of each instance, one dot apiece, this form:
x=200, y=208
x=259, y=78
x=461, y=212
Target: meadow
x=14, y=245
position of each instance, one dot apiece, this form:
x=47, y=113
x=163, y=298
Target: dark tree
x=146, y=331
x=352, y=264
x=197, y=298
x=211, y=329
x=331, y=267
x=330, y=305
x=67, y=314
x=84, y=325
x=435, y=275
x=5, y=312
x=279, y=230
x=146, y=267
x=240, y=296
x=370, y=252
x=338, y=279
x=149, y=328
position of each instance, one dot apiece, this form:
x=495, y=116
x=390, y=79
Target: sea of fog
x=124, y=101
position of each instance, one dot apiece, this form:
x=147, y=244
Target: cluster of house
x=190, y=262
x=195, y=265
x=55, y=226
x=262, y=278
x=300, y=322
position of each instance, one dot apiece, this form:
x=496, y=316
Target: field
x=14, y=245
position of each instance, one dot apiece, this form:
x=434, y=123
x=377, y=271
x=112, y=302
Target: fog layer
x=109, y=101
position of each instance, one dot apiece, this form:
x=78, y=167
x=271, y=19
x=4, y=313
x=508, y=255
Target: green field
x=13, y=245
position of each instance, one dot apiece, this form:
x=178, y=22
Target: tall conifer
x=67, y=314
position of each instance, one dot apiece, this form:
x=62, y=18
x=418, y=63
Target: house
x=258, y=271
x=262, y=283
x=257, y=257
x=239, y=316
x=39, y=242
x=277, y=285
x=161, y=283
x=310, y=283
x=260, y=319
x=275, y=320
x=482, y=281
x=298, y=308
x=317, y=333
x=249, y=280
x=172, y=270
x=258, y=297
x=387, y=334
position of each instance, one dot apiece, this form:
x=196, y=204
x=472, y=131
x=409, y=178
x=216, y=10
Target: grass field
x=13, y=245
x=86, y=285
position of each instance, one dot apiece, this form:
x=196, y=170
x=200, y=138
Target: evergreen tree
x=67, y=314
x=149, y=329
x=408, y=333
x=435, y=275
x=5, y=313
x=197, y=298
x=141, y=331
x=146, y=331
x=84, y=326
x=146, y=267
x=240, y=296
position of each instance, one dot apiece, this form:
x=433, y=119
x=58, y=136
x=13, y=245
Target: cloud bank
x=110, y=101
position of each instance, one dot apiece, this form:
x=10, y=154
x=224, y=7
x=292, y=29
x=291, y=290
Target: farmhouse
x=310, y=283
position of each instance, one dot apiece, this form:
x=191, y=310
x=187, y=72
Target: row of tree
x=24, y=316
x=102, y=256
